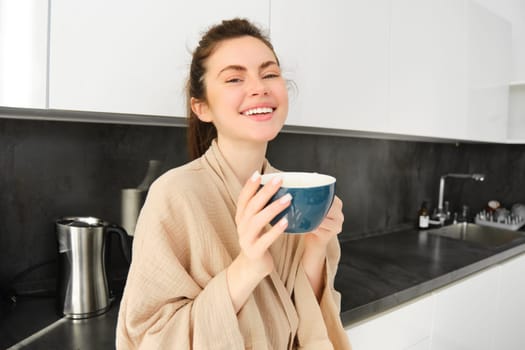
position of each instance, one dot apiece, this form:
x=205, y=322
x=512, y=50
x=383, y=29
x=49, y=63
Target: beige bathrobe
x=176, y=295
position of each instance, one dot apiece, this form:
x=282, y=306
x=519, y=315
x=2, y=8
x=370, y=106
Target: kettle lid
x=85, y=221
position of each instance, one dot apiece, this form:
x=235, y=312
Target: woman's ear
x=200, y=108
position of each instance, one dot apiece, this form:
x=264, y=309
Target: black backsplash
x=54, y=169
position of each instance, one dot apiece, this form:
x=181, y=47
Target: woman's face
x=247, y=98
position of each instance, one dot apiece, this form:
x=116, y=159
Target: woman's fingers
x=252, y=198
x=266, y=240
x=253, y=202
x=333, y=222
x=336, y=208
x=247, y=192
x=273, y=209
x=330, y=225
x=263, y=196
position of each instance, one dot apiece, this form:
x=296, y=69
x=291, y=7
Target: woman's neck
x=244, y=158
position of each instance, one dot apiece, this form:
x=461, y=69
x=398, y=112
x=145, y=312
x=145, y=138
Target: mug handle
x=125, y=240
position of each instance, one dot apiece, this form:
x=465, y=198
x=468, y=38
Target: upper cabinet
x=336, y=55
x=489, y=74
x=131, y=56
x=428, y=84
x=516, y=124
x=514, y=12
x=431, y=68
x=23, y=53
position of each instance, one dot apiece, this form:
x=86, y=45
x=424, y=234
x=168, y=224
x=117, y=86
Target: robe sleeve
x=319, y=335
x=330, y=302
x=163, y=306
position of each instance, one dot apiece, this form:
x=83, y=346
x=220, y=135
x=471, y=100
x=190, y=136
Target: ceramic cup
x=312, y=195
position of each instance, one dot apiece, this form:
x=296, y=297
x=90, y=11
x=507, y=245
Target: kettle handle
x=125, y=240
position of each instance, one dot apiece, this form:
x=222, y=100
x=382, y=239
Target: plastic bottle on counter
x=423, y=216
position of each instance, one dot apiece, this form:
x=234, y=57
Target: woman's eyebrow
x=232, y=67
x=240, y=68
x=267, y=64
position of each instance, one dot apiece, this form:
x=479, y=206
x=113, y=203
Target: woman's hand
x=316, y=243
x=317, y=240
x=254, y=261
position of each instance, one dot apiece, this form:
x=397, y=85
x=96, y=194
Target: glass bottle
x=423, y=216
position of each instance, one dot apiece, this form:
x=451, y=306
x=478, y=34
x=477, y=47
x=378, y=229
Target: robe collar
x=220, y=166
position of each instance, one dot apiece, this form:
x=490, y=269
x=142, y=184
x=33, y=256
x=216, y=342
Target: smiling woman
x=238, y=71
x=208, y=269
x=239, y=94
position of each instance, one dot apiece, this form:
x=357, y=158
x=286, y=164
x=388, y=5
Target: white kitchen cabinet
x=464, y=313
x=23, y=53
x=510, y=315
x=435, y=68
x=422, y=345
x=407, y=327
x=489, y=74
x=513, y=11
x=336, y=52
x=484, y=311
x=428, y=81
x=516, y=123
x=131, y=56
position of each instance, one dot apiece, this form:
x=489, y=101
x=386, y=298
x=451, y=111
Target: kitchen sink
x=483, y=235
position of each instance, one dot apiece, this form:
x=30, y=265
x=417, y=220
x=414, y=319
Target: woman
x=208, y=270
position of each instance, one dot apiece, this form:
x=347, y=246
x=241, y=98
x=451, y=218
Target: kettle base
x=87, y=314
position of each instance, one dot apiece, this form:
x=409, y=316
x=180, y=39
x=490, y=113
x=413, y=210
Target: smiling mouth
x=258, y=112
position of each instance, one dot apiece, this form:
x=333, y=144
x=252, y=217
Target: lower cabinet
x=485, y=311
x=402, y=328
x=464, y=313
x=510, y=314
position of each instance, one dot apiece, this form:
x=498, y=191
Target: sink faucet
x=441, y=215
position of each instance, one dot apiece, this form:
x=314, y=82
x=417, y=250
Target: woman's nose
x=258, y=87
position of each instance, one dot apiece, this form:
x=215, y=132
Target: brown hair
x=201, y=134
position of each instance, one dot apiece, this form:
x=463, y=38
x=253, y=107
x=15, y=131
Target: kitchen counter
x=375, y=274
x=381, y=272
x=60, y=333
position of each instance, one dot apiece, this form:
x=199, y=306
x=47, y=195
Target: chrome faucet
x=441, y=215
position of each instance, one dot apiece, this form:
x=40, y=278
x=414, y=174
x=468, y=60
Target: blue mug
x=312, y=196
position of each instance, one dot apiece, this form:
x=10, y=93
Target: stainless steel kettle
x=83, y=286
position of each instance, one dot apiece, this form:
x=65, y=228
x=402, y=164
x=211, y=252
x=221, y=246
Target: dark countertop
x=24, y=327
x=375, y=274
x=381, y=272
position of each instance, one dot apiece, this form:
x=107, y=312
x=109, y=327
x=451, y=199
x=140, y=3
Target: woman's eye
x=234, y=80
x=271, y=75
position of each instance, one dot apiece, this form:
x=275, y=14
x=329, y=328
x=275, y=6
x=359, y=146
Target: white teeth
x=258, y=111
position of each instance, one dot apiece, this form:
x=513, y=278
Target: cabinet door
x=516, y=122
x=400, y=329
x=428, y=84
x=514, y=11
x=23, y=53
x=489, y=74
x=510, y=316
x=422, y=345
x=131, y=56
x=336, y=53
x=464, y=313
